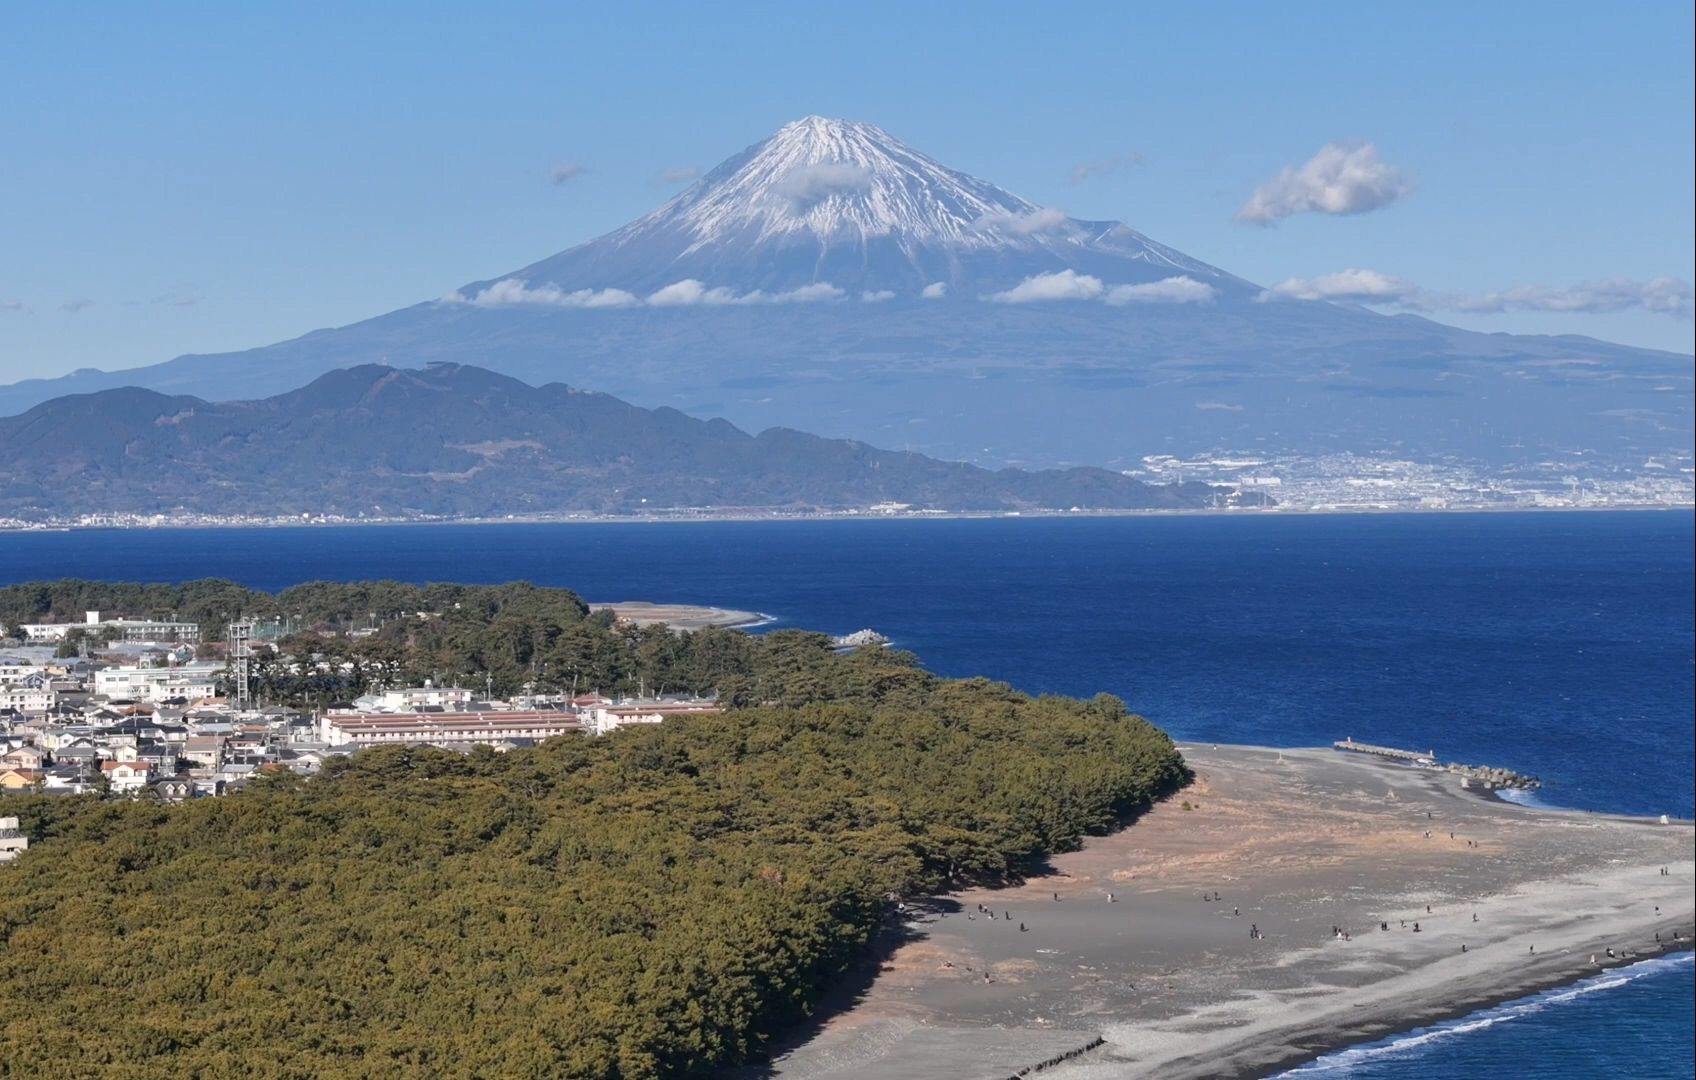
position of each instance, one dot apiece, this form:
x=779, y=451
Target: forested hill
x=460, y=441
x=657, y=902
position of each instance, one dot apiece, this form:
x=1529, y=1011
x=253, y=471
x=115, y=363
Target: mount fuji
x=833, y=279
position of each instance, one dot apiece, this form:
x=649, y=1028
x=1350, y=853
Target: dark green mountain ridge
x=460, y=441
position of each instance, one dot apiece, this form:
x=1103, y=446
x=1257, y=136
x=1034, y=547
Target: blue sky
x=191, y=178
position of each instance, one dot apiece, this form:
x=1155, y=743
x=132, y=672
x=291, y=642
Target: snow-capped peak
x=844, y=179
x=845, y=203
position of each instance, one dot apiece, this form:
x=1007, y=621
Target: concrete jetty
x=1486, y=775
x=1391, y=752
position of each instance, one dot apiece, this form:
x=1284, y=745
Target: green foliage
x=656, y=902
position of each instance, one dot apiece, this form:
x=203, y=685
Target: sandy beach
x=1134, y=956
x=680, y=616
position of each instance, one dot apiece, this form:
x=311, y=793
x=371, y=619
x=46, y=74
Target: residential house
x=127, y=776
x=15, y=779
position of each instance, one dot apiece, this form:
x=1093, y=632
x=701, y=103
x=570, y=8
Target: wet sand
x=680, y=616
x=1293, y=842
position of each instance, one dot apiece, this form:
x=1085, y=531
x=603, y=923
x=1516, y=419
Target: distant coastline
x=701, y=516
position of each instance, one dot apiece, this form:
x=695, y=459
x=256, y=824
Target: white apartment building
x=412, y=698
x=191, y=681
x=121, y=629
x=12, y=841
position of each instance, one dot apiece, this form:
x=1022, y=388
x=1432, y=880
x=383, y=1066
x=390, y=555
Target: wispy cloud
x=74, y=306
x=1661, y=295
x=511, y=292
x=689, y=292
x=12, y=305
x=680, y=175
x=564, y=172
x=1182, y=289
x=1105, y=167
x=936, y=290
x=1059, y=285
x=178, y=296
x=1343, y=178
x=810, y=183
x=1071, y=285
x=1039, y=220
x=1351, y=284
x=1217, y=406
x=877, y=296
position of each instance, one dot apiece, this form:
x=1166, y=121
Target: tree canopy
x=655, y=902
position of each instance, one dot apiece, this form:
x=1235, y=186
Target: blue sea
x=1558, y=644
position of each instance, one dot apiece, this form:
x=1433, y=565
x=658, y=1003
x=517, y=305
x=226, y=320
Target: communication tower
x=241, y=661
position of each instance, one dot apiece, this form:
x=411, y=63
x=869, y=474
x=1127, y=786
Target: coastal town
x=146, y=708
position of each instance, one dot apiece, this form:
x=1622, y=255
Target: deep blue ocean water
x=1555, y=644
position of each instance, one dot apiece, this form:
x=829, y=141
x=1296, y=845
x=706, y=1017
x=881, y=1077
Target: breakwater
x=1487, y=776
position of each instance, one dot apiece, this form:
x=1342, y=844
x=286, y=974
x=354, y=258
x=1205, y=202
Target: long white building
x=408, y=729
x=191, y=681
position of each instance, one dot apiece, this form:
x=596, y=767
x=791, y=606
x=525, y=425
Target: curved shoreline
x=1480, y=1009
x=1294, y=842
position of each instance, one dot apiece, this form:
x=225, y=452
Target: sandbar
x=1124, y=941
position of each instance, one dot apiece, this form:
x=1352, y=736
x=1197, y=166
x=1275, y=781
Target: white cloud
x=1182, y=289
x=1662, y=295
x=877, y=296
x=1341, y=179
x=511, y=292
x=1060, y=285
x=810, y=183
x=680, y=175
x=1217, y=406
x=1351, y=284
x=689, y=292
x=806, y=294
x=936, y=290
x=1105, y=167
x=1039, y=220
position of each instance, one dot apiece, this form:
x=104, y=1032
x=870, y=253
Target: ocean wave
x=1408, y=1044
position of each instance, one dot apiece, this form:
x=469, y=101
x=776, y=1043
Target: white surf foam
x=1343, y=1062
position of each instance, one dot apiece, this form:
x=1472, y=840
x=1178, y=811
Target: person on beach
x=1463, y=948
x=1111, y=899
x=1531, y=948
x=1021, y=928
x=1235, y=911
x=1056, y=898
x=1416, y=928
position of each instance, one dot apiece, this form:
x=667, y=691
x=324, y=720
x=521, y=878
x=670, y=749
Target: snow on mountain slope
x=844, y=204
